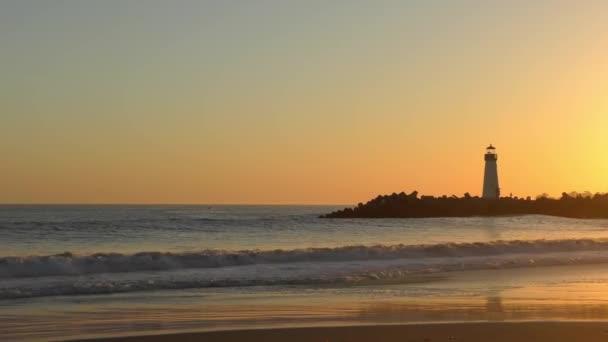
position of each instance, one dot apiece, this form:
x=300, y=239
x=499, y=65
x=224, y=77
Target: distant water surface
x=46, y=230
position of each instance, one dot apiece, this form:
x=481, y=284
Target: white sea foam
x=308, y=273
x=68, y=264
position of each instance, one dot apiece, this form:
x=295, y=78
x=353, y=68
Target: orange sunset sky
x=309, y=102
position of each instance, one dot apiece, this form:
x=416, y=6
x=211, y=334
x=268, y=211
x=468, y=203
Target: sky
x=299, y=102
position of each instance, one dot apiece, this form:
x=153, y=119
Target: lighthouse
x=491, y=190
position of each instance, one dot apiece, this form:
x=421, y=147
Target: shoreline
x=469, y=331
x=485, y=297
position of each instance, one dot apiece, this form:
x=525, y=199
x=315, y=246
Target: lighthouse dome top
x=490, y=147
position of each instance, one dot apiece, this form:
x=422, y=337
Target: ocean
x=86, y=271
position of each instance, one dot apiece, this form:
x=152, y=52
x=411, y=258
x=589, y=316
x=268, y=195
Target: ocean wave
x=351, y=273
x=68, y=264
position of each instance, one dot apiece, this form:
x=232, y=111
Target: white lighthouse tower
x=491, y=190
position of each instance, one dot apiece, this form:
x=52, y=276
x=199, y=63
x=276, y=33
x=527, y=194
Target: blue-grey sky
x=298, y=101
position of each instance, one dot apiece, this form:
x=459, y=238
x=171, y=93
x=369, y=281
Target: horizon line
x=182, y=204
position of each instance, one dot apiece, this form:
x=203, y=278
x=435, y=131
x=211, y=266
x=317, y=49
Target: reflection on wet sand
x=480, y=309
x=542, y=294
x=284, y=312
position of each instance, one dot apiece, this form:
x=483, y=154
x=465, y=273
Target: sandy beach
x=470, y=332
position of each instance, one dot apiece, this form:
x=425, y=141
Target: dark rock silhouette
x=573, y=204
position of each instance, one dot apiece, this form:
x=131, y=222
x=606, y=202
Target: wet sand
x=470, y=332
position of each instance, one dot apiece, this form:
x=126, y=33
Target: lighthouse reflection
x=491, y=230
x=494, y=307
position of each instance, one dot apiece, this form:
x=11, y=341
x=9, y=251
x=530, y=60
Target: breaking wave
x=68, y=264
